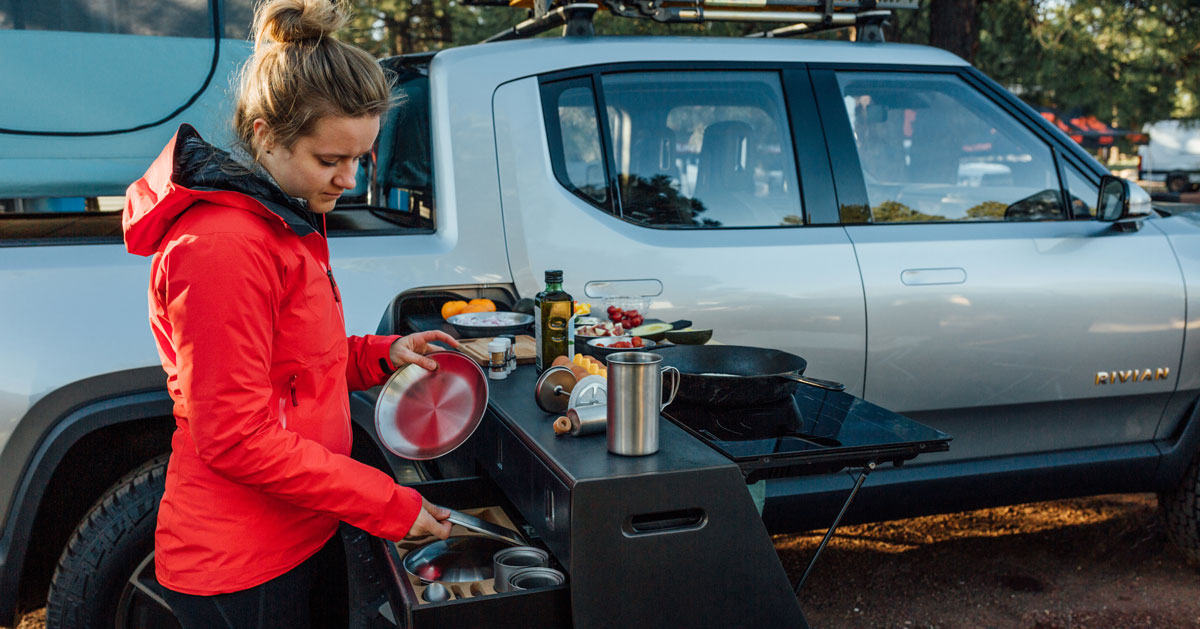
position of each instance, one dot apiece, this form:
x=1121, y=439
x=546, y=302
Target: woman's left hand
x=412, y=348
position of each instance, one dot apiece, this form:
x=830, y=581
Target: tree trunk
x=954, y=26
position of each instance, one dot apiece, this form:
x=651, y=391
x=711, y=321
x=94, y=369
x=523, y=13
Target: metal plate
x=494, y=531
x=454, y=560
x=423, y=414
x=472, y=324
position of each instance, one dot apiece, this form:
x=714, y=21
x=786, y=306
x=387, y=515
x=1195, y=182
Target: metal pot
x=733, y=375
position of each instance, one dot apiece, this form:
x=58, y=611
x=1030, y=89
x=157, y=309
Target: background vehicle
x=885, y=211
x=1172, y=156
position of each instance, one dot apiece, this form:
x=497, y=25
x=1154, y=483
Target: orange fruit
x=483, y=305
x=476, y=308
x=451, y=308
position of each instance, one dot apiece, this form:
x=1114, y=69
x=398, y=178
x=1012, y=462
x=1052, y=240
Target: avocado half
x=652, y=331
x=688, y=336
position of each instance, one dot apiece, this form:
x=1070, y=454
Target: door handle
x=933, y=277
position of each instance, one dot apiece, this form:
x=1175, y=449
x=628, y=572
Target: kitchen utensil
x=553, y=389
x=435, y=593
x=587, y=410
x=733, y=375
x=423, y=414
x=455, y=560
x=510, y=560
x=534, y=578
x=585, y=420
x=480, y=324
x=635, y=384
x=483, y=527
x=588, y=391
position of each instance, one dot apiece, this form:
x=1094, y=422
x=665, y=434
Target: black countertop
x=578, y=459
x=816, y=431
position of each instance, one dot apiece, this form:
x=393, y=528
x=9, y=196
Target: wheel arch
x=67, y=450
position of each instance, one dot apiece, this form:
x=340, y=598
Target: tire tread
x=81, y=589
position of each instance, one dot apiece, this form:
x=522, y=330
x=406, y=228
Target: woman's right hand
x=431, y=520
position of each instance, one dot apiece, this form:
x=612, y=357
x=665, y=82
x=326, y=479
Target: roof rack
x=802, y=16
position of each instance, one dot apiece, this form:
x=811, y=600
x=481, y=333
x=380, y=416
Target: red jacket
x=248, y=323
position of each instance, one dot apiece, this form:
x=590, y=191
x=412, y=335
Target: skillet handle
x=828, y=385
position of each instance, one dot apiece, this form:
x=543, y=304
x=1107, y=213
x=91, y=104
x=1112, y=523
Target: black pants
x=285, y=602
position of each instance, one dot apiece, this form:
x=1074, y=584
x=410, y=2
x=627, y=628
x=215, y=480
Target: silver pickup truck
x=885, y=211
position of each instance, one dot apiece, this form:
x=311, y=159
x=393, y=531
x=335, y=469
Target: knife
x=484, y=527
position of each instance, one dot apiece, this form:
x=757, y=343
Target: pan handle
x=814, y=382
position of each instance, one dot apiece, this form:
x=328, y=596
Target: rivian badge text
x=1132, y=375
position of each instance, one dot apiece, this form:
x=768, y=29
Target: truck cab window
x=933, y=149
x=702, y=149
x=573, y=131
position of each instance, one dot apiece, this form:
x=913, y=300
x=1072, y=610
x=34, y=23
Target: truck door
x=689, y=178
x=996, y=312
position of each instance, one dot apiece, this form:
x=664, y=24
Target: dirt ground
x=1088, y=563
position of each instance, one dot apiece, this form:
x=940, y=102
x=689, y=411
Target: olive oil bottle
x=552, y=311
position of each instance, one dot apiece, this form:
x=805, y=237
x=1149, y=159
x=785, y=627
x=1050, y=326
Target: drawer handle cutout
x=663, y=522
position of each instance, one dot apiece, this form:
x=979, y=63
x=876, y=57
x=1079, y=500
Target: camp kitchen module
x=671, y=537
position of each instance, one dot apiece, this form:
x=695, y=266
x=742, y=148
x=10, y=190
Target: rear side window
x=932, y=149
x=574, y=130
x=693, y=149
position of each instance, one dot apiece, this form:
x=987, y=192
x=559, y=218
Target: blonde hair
x=299, y=73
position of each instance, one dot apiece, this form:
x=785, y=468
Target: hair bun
x=290, y=21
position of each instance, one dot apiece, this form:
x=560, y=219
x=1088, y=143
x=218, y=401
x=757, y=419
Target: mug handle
x=674, y=388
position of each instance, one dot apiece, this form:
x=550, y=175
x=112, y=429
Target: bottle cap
x=554, y=276
x=497, y=345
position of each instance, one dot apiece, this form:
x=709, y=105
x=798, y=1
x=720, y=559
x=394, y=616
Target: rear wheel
x=1177, y=183
x=1181, y=513
x=105, y=577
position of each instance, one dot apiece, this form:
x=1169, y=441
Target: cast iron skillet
x=733, y=375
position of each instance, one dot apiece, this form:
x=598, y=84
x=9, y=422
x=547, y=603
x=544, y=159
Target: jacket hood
x=190, y=170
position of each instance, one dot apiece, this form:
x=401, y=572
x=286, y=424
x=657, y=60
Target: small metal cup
x=507, y=562
x=635, y=401
x=534, y=578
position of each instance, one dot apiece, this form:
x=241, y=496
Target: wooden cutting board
x=477, y=349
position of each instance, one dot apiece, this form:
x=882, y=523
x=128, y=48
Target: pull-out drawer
x=474, y=604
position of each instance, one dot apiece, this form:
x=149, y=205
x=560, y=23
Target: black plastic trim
x=847, y=178
x=814, y=166
x=918, y=490
x=1177, y=453
x=606, y=148
x=45, y=434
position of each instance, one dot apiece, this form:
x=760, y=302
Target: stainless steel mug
x=635, y=400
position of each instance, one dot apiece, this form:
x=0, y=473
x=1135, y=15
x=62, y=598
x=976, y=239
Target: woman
x=248, y=322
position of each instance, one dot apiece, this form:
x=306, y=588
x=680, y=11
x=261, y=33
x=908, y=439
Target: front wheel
x=1181, y=513
x=1177, y=183
x=105, y=577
